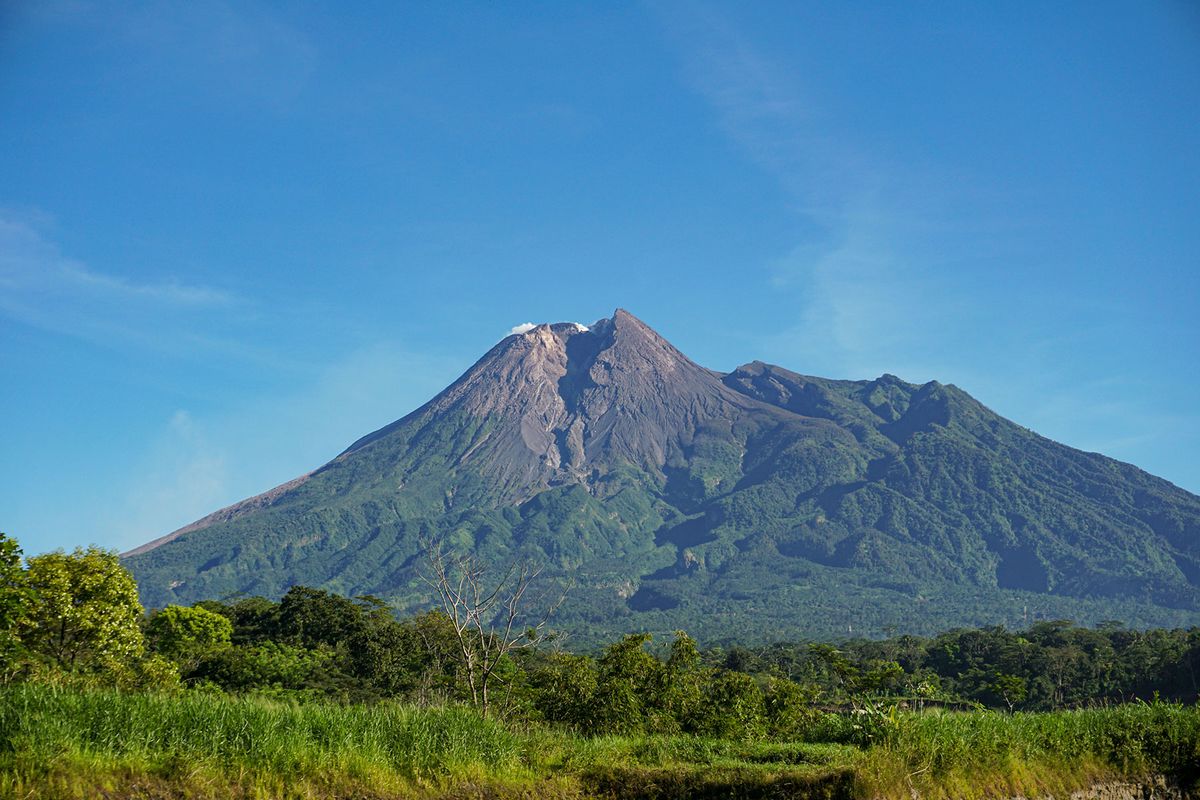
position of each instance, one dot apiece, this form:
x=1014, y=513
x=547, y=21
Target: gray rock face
x=570, y=402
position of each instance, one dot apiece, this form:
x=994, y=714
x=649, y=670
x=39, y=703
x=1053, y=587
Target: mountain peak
x=625, y=319
x=575, y=395
x=631, y=327
x=634, y=349
x=626, y=349
x=563, y=399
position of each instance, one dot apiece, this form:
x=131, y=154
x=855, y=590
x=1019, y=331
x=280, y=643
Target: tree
x=565, y=689
x=628, y=682
x=683, y=679
x=14, y=605
x=490, y=620
x=386, y=657
x=833, y=666
x=313, y=617
x=789, y=708
x=85, y=613
x=1009, y=688
x=438, y=654
x=268, y=665
x=414, y=659
x=733, y=707
x=183, y=634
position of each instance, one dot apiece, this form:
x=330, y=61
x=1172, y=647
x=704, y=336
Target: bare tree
x=490, y=618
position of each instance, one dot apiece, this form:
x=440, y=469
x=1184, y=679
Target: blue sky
x=235, y=237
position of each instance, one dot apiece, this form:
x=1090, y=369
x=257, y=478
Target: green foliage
x=789, y=708
x=85, y=615
x=315, y=644
x=268, y=667
x=710, y=722
x=733, y=707
x=14, y=606
x=626, y=687
x=184, y=633
x=627, y=690
x=325, y=645
x=1049, y=666
x=1012, y=689
x=254, y=618
x=312, y=617
x=565, y=687
x=683, y=682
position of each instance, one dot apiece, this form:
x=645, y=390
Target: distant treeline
x=1048, y=666
x=312, y=641
x=75, y=617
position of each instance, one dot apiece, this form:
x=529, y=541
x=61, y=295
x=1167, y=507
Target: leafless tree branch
x=485, y=614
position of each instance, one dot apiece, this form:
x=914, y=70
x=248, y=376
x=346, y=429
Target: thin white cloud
x=170, y=293
x=30, y=263
x=42, y=287
x=524, y=327
x=861, y=271
x=763, y=108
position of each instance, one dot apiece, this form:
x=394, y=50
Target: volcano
x=756, y=504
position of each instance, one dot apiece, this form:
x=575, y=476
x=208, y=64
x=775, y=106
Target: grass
x=51, y=736
x=988, y=753
x=66, y=743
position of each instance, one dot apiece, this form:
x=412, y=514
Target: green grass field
x=67, y=743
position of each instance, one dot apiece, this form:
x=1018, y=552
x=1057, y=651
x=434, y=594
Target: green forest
x=258, y=697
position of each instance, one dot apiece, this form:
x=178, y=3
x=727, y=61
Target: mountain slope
x=760, y=502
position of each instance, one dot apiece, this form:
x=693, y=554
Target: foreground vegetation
x=72, y=743
x=320, y=696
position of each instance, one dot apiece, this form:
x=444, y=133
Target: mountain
x=756, y=504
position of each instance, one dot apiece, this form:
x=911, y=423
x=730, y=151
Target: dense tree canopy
x=85, y=612
x=186, y=632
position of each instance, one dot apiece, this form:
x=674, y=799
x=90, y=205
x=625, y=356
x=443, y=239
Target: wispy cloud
x=892, y=261
x=872, y=283
x=764, y=108
x=167, y=293
x=42, y=287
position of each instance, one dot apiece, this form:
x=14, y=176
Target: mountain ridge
x=676, y=492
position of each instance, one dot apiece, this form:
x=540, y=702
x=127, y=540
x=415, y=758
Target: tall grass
x=987, y=753
x=68, y=743
x=264, y=744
